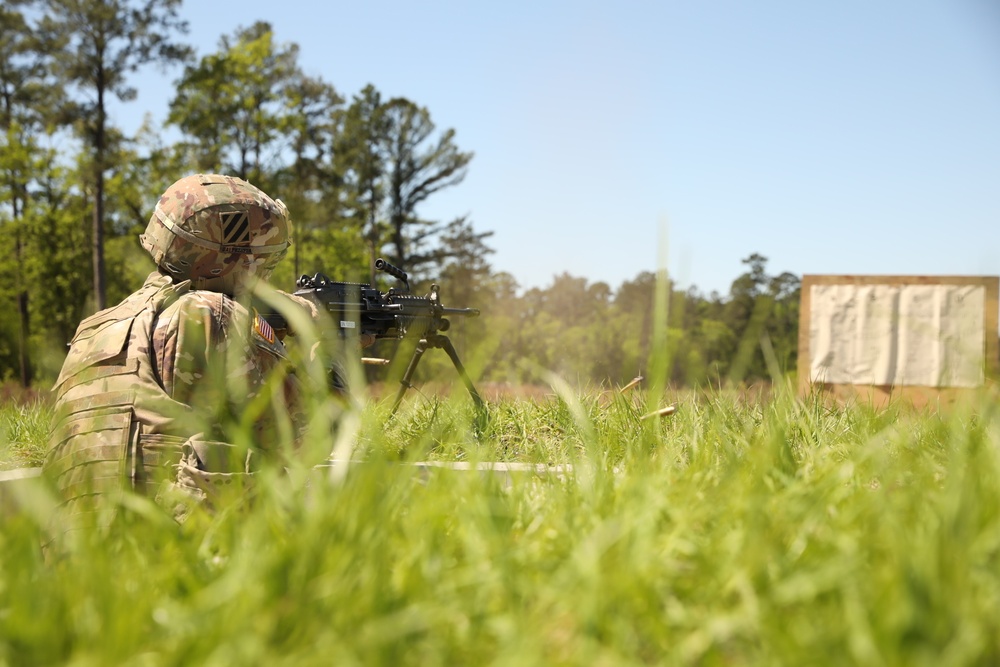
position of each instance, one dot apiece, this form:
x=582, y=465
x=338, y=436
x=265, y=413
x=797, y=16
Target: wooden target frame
x=881, y=393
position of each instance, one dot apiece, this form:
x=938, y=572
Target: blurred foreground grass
x=732, y=533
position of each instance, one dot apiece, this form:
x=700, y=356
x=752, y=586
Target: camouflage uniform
x=148, y=383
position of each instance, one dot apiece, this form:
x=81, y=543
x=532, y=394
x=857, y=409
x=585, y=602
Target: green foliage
x=92, y=46
x=48, y=199
x=417, y=166
x=591, y=334
x=733, y=532
x=246, y=109
x=354, y=175
x=230, y=104
x=24, y=431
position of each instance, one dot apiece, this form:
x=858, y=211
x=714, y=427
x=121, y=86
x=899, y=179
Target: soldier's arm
x=190, y=342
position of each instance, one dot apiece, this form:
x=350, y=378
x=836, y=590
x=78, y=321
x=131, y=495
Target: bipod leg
x=404, y=382
x=445, y=344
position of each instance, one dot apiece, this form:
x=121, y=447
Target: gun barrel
x=468, y=312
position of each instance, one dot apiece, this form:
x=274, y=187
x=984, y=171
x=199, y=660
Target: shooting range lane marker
x=14, y=487
x=19, y=473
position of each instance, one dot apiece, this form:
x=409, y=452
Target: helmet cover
x=217, y=231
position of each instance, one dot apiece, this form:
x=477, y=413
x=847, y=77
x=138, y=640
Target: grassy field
x=778, y=532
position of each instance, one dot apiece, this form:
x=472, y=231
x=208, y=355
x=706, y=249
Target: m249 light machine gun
x=359, y=308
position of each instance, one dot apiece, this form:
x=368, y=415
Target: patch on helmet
x=262, y=328
x=235, y=227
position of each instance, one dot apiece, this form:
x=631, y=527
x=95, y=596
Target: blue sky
x=610, y=138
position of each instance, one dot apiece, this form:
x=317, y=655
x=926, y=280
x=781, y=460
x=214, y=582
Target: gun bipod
x=441, y=342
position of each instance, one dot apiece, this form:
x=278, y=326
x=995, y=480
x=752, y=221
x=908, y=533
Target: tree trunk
x=22, y=307
x=100, y=296
x=22, y=310
x=372, y=235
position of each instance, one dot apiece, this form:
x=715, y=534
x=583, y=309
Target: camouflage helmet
x=217, y=231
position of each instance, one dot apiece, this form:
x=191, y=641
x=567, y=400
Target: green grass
x=24, y=429
x=732, y=533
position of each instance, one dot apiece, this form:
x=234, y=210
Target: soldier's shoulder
x=205, y=303
x=206, y=299
x=127, y=308
x=225, y=315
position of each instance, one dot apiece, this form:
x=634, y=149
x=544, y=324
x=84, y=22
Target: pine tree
x=95, y=45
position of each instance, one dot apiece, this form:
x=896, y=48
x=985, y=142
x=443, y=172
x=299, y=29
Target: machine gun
x=360, y=308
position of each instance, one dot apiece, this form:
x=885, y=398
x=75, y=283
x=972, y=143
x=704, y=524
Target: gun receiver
x=360, y=308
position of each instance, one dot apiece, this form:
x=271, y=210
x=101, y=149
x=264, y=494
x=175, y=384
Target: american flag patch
x=263, y=329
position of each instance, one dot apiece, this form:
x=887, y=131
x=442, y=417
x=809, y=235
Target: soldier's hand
x=306, y=304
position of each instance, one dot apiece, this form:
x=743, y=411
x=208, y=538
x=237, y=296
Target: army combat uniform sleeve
x=225, y=361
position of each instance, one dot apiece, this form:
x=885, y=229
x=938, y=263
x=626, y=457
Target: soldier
x=148, y=384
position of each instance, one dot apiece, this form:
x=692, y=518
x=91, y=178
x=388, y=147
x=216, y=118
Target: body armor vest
x=116, y=428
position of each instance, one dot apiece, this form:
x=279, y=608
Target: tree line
x=591, y=334
x=76, y=190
